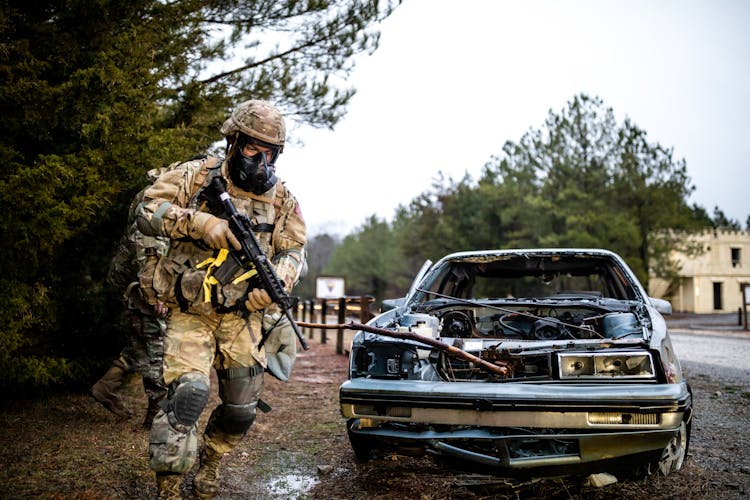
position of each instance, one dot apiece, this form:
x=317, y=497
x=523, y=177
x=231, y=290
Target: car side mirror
x=661, y=305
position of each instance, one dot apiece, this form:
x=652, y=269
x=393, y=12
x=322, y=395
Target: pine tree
x=93, y=94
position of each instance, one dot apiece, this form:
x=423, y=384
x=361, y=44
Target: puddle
x=276, y=474
x=291, y=485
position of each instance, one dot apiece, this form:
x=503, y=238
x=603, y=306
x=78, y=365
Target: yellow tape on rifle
x=245, y=276
x=209, y=280
x=213, y=263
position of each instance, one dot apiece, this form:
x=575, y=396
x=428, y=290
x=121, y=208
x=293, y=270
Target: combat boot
x=206, y=482
x=168, y=486
x=105, y=390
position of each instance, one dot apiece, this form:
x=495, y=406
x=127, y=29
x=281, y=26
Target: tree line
x=95, y=93
x=581, y=179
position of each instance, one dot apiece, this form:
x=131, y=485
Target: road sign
x=330, y=287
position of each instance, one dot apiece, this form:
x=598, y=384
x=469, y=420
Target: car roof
x=533, y=251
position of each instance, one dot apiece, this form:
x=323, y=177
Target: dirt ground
x=70, y=447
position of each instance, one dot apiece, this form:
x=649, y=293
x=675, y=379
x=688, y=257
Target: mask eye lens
x=248, y=151
x=272, y=155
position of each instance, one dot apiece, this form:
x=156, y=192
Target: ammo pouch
x=158, y=278
x=190, y=286
x=189, y=291
x=229, y=296
x=147, y=277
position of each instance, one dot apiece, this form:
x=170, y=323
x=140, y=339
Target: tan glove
x=217, y=234
x=257, y=299
x=281, y=346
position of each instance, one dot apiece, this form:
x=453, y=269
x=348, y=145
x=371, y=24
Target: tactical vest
x=182, y=277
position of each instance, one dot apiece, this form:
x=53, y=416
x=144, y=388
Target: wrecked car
x=537, y=361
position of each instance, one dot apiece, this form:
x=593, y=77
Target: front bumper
x=517, y=425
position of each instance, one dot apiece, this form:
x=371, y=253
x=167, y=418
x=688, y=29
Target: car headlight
x=618, y=365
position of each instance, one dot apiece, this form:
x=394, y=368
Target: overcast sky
x=453, y=81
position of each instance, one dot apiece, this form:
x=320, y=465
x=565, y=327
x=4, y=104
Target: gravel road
x=721, y=355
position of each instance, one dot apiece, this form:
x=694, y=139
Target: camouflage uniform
x=145, y=345
x=207, y=325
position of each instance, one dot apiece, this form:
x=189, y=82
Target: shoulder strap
x=210, y=170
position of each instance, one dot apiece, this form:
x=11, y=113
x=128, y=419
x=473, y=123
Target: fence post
x=340, y=331
x=364, y=308
x=323, y=314
x=310, y=315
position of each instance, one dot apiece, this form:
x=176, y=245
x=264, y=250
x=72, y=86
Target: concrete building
x=711, y=282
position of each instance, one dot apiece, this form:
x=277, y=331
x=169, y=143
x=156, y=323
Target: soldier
x=212, y=324
x=143, y=352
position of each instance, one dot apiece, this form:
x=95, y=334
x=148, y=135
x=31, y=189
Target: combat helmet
x=258, y=123
x=259, y=120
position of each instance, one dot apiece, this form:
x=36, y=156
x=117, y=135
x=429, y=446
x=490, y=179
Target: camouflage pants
x=192, y=346
x=144, y=351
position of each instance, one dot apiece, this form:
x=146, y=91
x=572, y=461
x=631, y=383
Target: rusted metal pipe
x=499, y=367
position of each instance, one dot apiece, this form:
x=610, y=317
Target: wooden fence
x=335, y=311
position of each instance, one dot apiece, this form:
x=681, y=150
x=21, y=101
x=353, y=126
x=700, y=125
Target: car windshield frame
x=559, y=273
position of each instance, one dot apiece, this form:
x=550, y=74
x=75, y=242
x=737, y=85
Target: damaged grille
x=527, y=367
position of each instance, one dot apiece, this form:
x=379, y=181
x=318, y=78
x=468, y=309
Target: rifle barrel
x=252, y=252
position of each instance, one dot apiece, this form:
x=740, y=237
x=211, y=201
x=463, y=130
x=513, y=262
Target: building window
x=736, y=257
x=718, y=305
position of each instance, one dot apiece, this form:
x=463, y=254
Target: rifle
x=250, y=256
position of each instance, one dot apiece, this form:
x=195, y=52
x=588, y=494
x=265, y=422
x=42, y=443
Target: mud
x=70, y=447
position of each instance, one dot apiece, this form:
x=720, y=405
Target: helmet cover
x=259, y=120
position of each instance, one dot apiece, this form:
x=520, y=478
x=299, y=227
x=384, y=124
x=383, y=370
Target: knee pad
x=235, y=419
x=239, y=396
x=240, y=390
x=188, y=399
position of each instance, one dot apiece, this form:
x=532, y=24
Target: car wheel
x=362, y=446
x=674, y=454
x=672, y=457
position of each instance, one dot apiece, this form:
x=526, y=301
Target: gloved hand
x=217, y=234
x=160, y=309
x=257, y=299
x=281, y=346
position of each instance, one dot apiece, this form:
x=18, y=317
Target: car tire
x=674, y=454
x=362, y=446
x=672, y=457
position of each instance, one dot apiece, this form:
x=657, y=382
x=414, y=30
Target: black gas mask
x=255, y=173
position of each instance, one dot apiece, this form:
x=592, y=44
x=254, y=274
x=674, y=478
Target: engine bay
x=550, y=322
